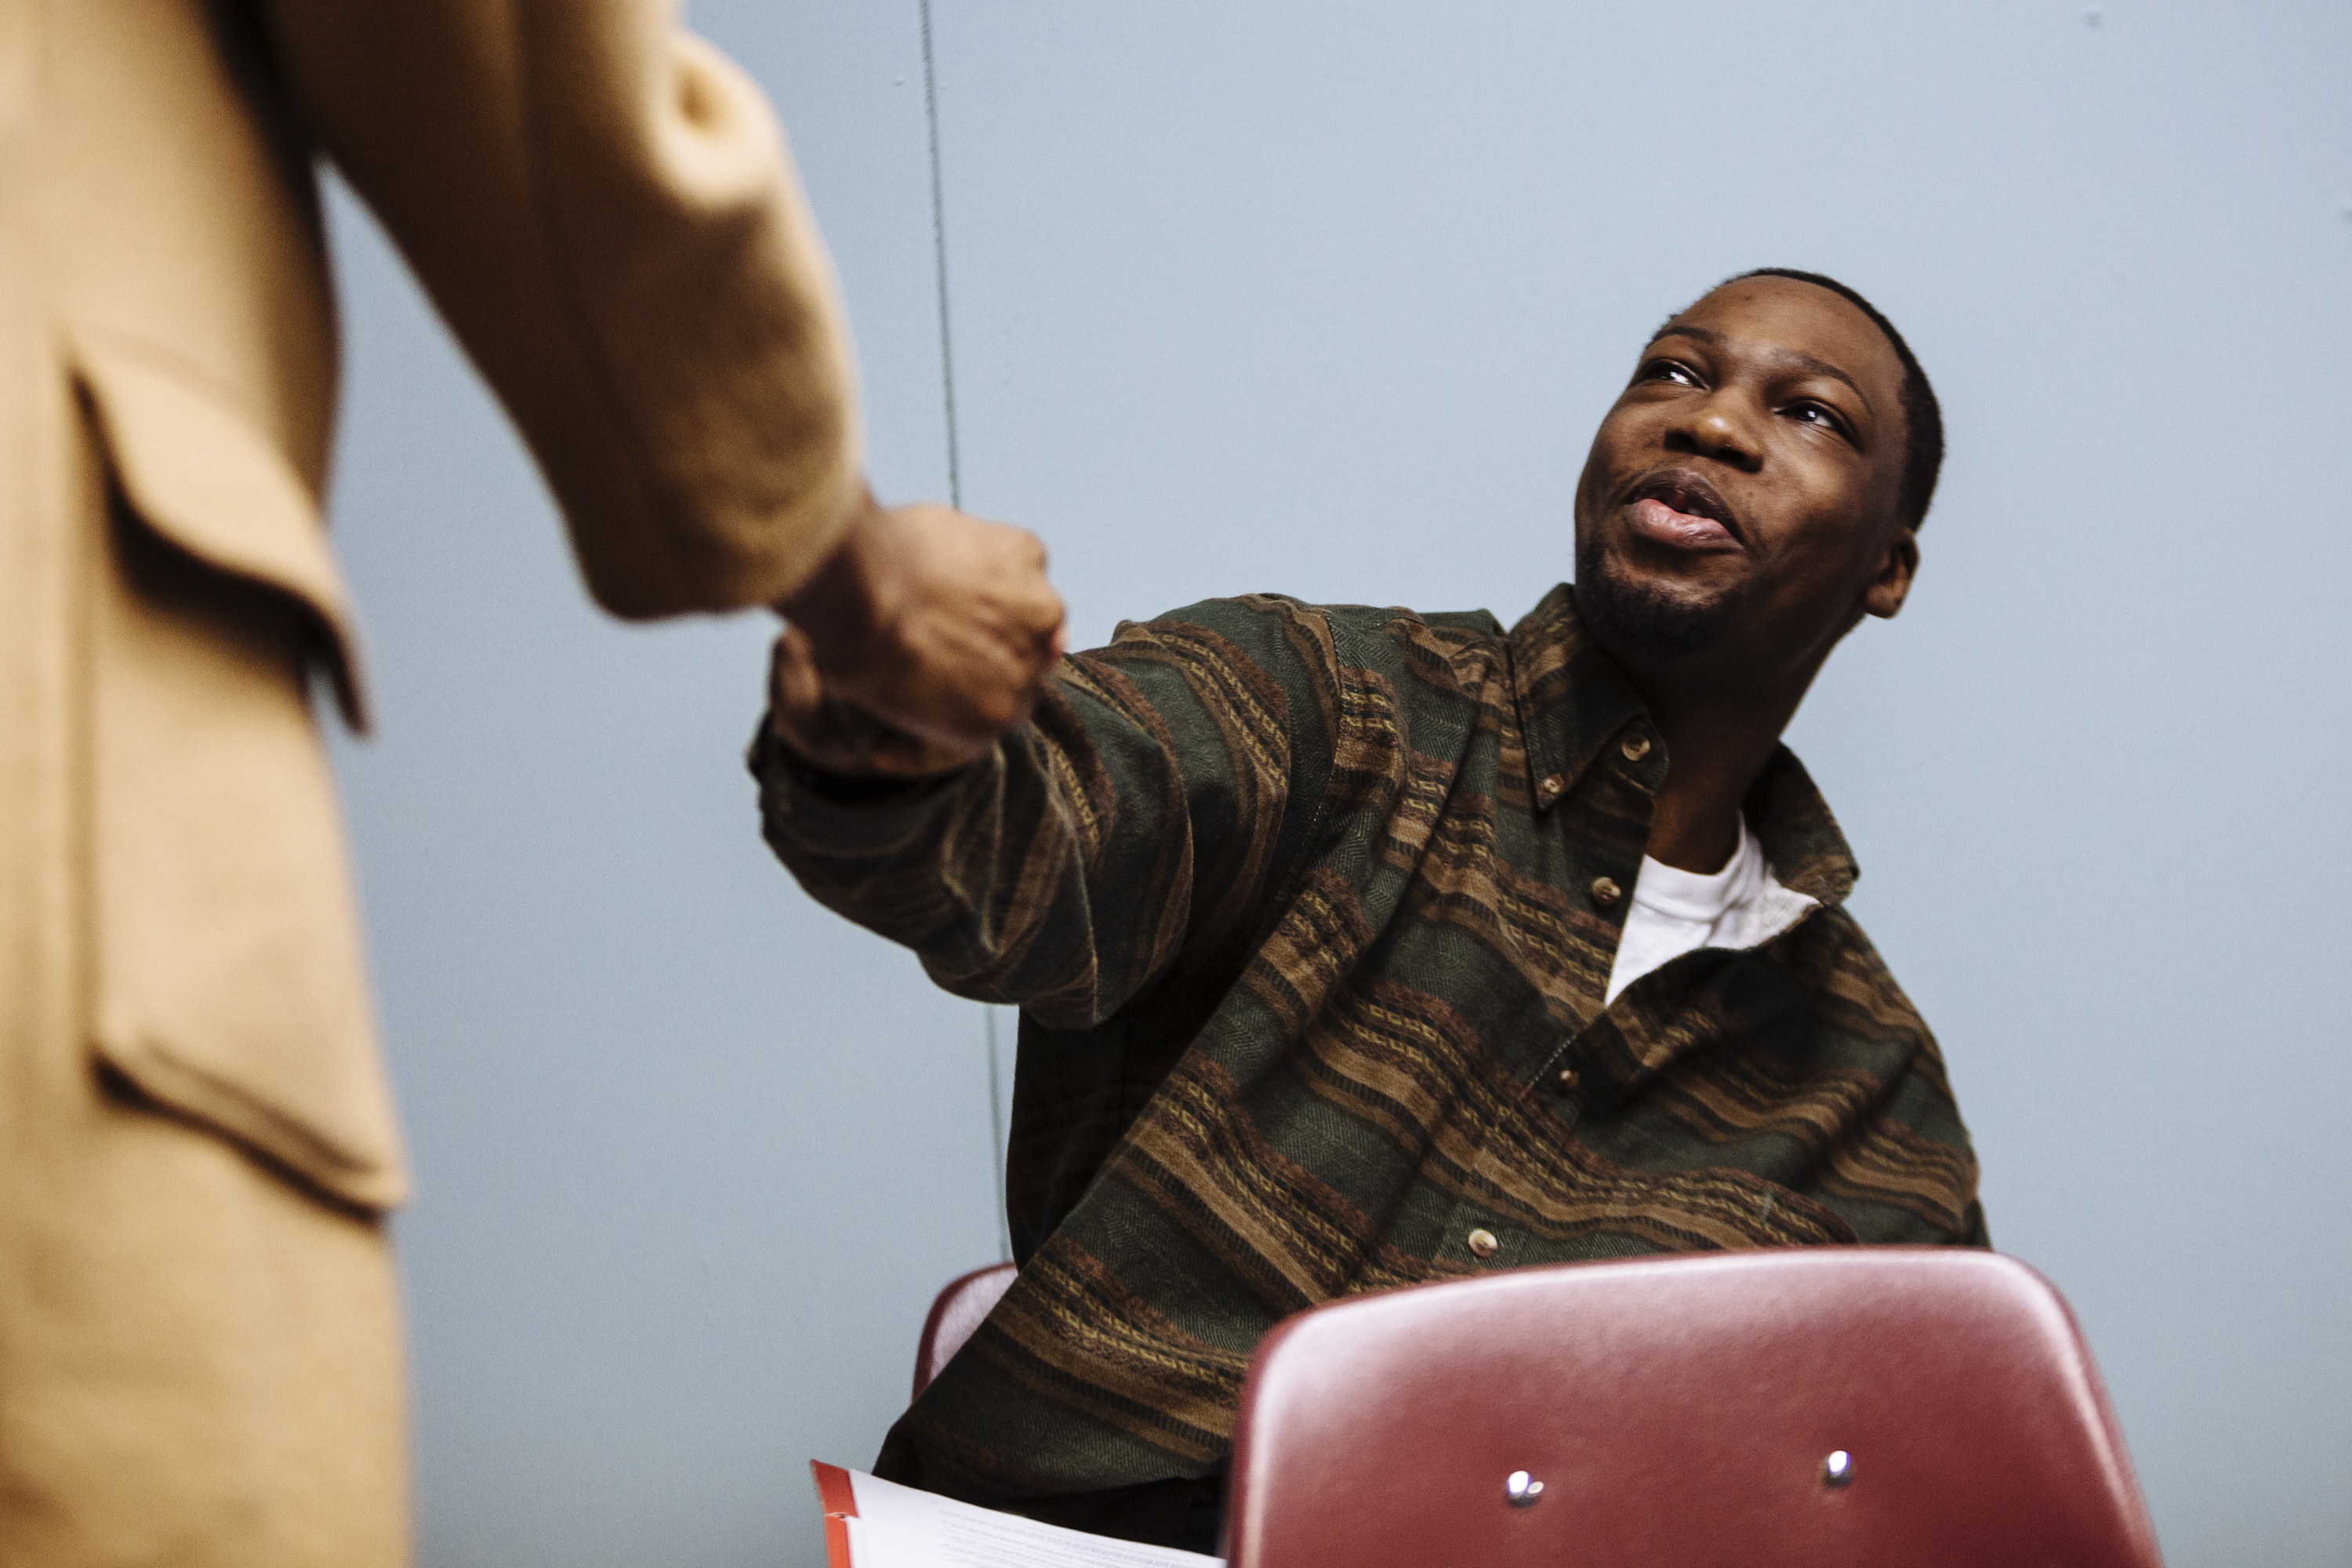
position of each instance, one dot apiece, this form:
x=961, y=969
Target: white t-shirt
x=1677, y=911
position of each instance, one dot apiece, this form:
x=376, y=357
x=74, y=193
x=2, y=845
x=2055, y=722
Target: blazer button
x=1635, y=746
x=1605, y=892
x=1482, y=1242
x=1567, y=1080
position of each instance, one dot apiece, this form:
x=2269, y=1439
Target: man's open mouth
x=1680, y=508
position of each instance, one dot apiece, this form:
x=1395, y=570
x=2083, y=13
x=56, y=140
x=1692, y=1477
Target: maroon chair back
x=1816, y=1408
x=956, y=1316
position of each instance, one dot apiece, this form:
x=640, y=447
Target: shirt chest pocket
x=227, y=982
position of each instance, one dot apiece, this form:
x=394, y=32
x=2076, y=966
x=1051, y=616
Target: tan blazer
x=197, y=1341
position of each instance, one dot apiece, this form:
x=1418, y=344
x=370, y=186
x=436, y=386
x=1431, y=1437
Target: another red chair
x=1819, y=1408
x=956, y=1317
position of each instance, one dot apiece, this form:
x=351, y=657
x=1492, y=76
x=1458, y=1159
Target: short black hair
x=1923, y=417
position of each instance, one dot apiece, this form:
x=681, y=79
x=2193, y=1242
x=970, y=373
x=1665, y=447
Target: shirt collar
x=1571, y=695
x=1573, y=700
x=1802, y=840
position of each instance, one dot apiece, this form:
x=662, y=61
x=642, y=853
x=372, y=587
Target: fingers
x=800, y=713
x=795, y=689
x=1040, y=612
x=960, y=630
x=1034, y=605
x=839, y=736
x=1034, y=613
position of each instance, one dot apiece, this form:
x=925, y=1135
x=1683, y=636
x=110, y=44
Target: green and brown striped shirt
x=1297, y=903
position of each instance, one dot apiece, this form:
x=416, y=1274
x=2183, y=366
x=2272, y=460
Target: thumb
x=795, y=689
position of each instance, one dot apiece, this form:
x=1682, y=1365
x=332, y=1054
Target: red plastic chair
x=1829, y=1409
x=956, y=1316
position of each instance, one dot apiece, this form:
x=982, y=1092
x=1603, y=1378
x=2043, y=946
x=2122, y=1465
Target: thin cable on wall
x=955, y=495
x=940, y=262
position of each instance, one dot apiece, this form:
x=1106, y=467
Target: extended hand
x=920, y=640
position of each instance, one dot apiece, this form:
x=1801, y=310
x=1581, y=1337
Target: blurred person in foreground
x=199, y=1345
x=1360, y=947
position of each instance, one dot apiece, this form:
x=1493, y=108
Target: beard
x=1643, y=620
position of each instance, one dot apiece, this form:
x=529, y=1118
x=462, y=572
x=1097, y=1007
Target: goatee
x=1642, y=619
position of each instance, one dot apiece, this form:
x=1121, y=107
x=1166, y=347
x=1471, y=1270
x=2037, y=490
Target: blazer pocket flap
x=376, y=1180
x=196, y=470
x=229, y=984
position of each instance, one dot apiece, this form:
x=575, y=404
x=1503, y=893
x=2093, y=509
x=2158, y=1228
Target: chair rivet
x=1522, y=1489
x=1837, y=1470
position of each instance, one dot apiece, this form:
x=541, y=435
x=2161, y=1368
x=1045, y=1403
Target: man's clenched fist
x=920, y=640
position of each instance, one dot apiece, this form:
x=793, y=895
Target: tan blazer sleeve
x=603, y=208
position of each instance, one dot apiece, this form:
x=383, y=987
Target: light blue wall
x=1326, y=298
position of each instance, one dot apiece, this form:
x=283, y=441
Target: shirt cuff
x=838, y=812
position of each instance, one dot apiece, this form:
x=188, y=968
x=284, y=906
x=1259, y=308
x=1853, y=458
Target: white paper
x=898, y=1527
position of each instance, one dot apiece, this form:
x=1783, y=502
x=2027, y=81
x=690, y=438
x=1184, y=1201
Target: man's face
x=1737, y=510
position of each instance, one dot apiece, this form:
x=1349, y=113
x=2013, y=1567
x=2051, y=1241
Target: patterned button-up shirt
x=1308, y=912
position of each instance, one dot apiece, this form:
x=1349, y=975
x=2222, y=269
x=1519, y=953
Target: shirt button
x=1567, y=1080
x=1605, y=892
x=1552, y=784
x=1635, y=746
x=1483, y=1243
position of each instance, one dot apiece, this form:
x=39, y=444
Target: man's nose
x=1720, y=428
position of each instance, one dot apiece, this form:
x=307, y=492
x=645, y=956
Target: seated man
x=1358, y=947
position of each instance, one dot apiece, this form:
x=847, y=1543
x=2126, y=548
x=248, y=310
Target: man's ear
x=1892, y=585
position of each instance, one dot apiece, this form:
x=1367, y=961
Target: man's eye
x=1667, y=370
x=1819, y=413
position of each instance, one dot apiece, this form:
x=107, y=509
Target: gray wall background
x=1327, y=299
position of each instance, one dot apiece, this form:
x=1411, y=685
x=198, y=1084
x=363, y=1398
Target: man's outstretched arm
x=1137, y=814
x=606, y=212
